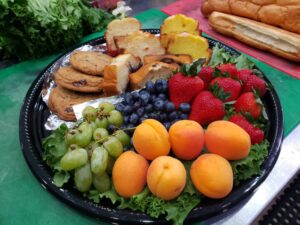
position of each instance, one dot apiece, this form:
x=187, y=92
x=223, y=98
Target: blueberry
x=183, y=116
x=163, y=117
x=128, y=98
x=162, y=96
x=153, y=116
x=150, y=87
x=135, y=95
x=167, y=125
x=153, y=98
x=173, y=116
x=111, y=128
x=134, y=119
x=185, y=107
x=149, y=108
x=145, y=97
x=144, y=117
x=136, y=105
x=165, y=86
x=127, y=110
x=126, y=119
x=120, y=107
x=140, y=112
x=159, y=105
x=159, y=85
x=169, y=107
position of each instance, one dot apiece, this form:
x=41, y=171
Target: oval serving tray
x=34, y=114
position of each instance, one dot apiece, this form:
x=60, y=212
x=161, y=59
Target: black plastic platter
x=34, y=114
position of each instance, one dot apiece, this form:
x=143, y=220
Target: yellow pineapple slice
x=189, y=44
x=177, y=24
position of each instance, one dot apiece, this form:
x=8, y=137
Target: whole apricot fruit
x=129, y=174
x=227, y=140
x=166, y=177
x=212, y=175
x=151, y=139
x=187, y=139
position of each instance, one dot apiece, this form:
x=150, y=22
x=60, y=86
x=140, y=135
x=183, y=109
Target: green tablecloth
x=22, y=199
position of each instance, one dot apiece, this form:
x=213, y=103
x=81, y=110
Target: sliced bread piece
x=170, y=59
x=116, y=74
x=140, y=44
x=151, y=71
x=119, y=27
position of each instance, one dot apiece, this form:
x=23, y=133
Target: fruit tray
x=34, y=114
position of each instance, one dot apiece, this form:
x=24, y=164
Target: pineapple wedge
x=189, y=44
x=177, y=24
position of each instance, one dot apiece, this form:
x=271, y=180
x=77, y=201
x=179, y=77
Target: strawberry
x=230, y=69
x=247, y=102
x=206, y=108
x=206, y=74
x=244, y=74
x=256, y=134
x=255, y=83
x=229, y=85
x=184, y=88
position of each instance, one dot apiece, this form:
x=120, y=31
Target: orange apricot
x=166, y=177
x=227, y=140
x=151, y=139
x=212, y=175
x=129, y=174
x=187, y=139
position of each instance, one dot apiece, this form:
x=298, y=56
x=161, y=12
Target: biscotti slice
x=177, y=24
x=170, y=59
x=140, y=44
x=61, y=101
x=90, y=62
x=151, y=71
x=119, y=27
x=189, y=44
x=116, y=75
x=75, y=80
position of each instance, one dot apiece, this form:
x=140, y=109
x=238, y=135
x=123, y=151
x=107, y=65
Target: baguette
x=266, y=37
x=281, y=13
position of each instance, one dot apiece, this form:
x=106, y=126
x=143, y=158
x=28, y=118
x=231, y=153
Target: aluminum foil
x=53, y=121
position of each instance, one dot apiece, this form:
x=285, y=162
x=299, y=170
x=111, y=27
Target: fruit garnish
x=226, y=88
x=247, y=102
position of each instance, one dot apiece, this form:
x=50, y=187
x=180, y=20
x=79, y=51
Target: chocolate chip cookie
x=89, y=62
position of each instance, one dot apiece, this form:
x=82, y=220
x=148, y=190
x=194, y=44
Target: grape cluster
x=151, y=102
x=93, y=149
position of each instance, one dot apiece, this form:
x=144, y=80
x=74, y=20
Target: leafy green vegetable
x=33, y=28
x=192, y=69
x=55, y=147
x=242, y=62
x=175, y=210
x=60, y=178
x=250, y=166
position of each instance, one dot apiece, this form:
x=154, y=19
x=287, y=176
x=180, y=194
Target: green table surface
x=22, y=198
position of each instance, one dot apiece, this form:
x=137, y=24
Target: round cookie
x=92, y=63
x=61, y=100
x=72, y=79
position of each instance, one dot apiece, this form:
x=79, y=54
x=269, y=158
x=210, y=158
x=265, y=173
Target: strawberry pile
x=221, y=92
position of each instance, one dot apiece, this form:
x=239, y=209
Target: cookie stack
x=80, y=82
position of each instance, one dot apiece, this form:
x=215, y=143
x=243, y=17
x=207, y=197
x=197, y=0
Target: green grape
x=102, y=182
x=113, y=146
x=70, y=136
x=115, y=118
x=83, y=178
x=84, y=137
x=74, y=159
x=99, y=160
x=110, y=164
x=106, y=107
x=123, y=137
x=93, y=125
x=90, y=148
x=99, y=134
x=101, y=122
x=89, y=113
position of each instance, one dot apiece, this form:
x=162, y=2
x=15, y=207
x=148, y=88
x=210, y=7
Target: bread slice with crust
x=116, y=75
x=151, y=71
x=140, y=44
x=170, y=59
x=119, y=27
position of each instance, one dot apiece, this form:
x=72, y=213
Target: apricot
x=187, y=139
x=227, y=140
x=212, y=175
x=129, y=174
x=166, y=177
x=151, y=139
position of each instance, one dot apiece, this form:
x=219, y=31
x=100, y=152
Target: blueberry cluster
x=151, y=102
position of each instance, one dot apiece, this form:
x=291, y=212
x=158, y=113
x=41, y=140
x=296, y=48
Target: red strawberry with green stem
x=249, y=103
x=206, y=108
x=244, y=74
x=255, y=83
x=256, y=134
x=206, y=74
x=230, y=87
x=229, y=69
